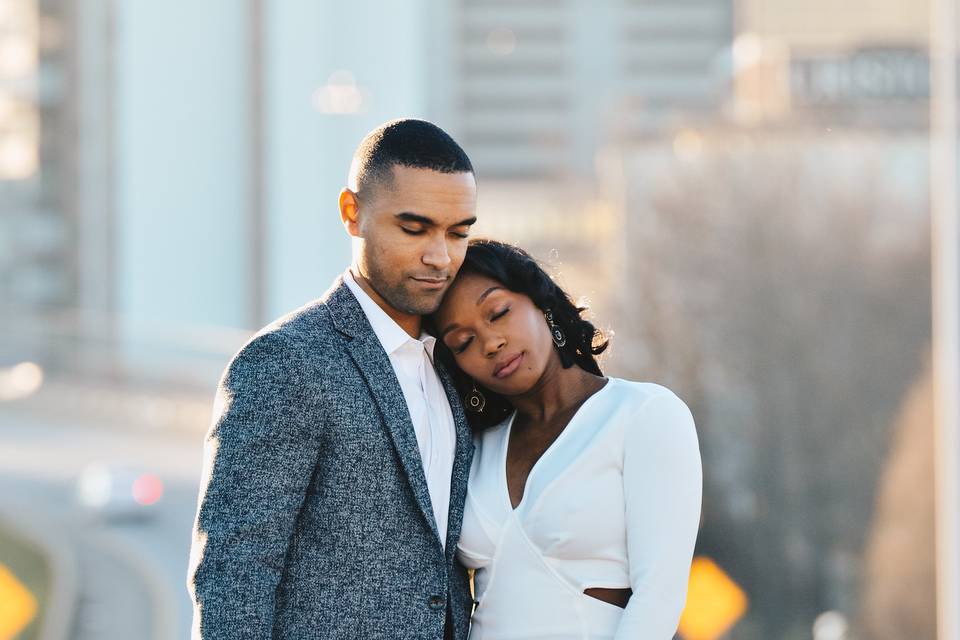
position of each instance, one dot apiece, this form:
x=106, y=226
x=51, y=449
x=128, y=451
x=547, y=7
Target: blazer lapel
x=372, y=361
x=462, y=459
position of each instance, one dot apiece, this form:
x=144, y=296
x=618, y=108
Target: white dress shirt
x=426, y=399
x=614, y=502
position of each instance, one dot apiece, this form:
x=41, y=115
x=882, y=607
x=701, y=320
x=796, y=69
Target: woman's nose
x=495, y=344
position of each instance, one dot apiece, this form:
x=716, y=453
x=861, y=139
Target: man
x=336, y=466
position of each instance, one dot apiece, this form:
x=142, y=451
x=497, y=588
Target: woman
x=584, y=496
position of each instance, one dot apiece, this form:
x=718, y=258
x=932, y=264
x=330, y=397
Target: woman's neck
x=556, y=392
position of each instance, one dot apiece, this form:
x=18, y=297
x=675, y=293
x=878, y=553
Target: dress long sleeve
x=663, y=485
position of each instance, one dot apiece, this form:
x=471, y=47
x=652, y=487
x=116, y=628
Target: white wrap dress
x=614, y=502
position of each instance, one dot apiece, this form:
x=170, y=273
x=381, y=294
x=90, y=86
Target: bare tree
x=792, y=311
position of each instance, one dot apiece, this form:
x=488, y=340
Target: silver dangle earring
x=476, y=400
x=558, y=338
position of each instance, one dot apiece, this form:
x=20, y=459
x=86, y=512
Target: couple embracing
x=431, y=451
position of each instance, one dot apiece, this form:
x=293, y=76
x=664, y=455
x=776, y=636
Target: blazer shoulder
x=327, y=323
x=266, y=355
x=309, y=329
x=287, y=342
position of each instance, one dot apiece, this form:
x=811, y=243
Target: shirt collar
x=388, y=332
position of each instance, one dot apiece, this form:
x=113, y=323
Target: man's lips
x=507, y=367
x=431, y=281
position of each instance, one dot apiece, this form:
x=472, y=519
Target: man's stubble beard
x=398, y=296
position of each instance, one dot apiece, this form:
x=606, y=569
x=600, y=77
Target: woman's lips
x=509, y=367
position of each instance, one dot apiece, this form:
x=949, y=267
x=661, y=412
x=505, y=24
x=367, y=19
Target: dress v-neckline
x=553, y=445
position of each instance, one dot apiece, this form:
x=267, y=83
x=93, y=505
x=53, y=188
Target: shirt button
x=436, y=602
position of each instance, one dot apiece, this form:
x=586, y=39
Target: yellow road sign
x=714, y=602
x=18, y=606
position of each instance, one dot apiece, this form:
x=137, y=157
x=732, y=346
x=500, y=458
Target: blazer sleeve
x=663, y=480
x=259, y=457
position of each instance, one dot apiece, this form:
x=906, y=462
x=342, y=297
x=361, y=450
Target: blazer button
x=436, y=602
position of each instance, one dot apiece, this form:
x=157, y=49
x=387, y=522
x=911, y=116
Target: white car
x=118, y=491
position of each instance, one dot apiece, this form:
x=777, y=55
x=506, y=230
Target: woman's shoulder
x=639, y=393
x=652, y=409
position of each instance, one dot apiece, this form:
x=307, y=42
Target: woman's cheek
x=470, y=365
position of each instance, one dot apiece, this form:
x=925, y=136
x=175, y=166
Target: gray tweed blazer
x=314, y=519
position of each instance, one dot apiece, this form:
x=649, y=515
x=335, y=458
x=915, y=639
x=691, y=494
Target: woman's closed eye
x=466, y=343
x=463, y=346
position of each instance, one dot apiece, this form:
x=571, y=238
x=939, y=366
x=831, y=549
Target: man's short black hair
x=407, y=142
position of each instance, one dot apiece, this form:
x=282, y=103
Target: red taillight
x=147, y=489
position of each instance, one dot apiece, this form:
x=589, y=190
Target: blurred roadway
x=131, y=573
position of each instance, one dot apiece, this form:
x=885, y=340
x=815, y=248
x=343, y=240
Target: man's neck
x=411, y=324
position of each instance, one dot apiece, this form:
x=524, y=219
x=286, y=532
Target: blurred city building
x=541, y=85
x=37, y=229
x=867, y=66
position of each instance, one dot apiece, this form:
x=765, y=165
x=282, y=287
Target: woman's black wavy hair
x=519, y=272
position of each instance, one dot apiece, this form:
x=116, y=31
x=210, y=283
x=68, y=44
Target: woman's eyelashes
x=493, y=318
x=464, y=346
x=499, y=314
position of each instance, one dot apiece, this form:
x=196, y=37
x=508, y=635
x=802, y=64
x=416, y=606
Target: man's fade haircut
x=407, y=142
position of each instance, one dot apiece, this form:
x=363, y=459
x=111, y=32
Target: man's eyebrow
x=409, y=216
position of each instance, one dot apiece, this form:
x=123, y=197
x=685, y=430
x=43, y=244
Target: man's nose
x=437, y=255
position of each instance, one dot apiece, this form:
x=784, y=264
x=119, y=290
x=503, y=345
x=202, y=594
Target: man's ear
x=350, y=212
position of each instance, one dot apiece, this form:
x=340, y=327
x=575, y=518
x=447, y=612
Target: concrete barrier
x=59, y=611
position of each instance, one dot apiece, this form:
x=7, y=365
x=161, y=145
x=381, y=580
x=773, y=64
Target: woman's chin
x=514, y=385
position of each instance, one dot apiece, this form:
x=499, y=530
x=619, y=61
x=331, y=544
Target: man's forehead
x=443, y=198
x=402, y=175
